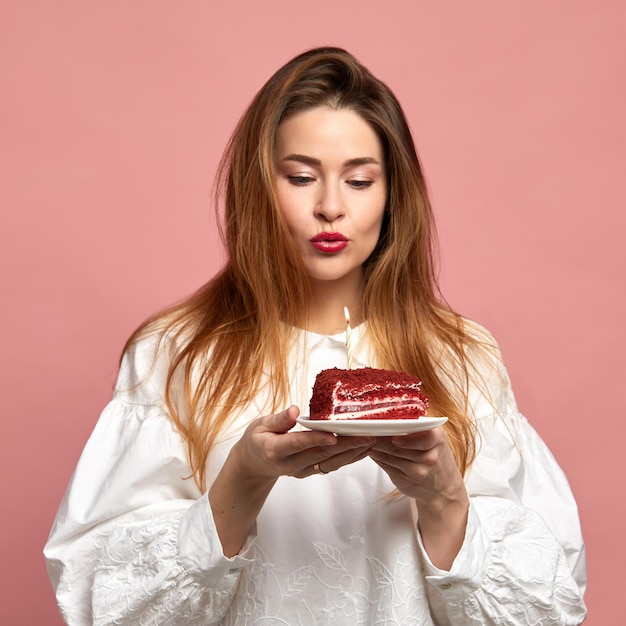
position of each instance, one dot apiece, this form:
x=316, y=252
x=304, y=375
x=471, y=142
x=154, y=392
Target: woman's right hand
x=266, y=451
x=267, y=448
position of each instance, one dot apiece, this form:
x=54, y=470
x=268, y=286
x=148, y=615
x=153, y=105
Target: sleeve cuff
x=469, y=566
x=200, y=549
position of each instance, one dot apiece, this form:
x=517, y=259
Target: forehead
x=323, y=129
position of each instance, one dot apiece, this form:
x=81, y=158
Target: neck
x=326, y=314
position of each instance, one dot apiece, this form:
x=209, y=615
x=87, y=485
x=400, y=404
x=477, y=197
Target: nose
x=329, y=204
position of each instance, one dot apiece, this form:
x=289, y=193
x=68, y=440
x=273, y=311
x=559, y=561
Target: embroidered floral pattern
x=116, y=558
x=344, y=598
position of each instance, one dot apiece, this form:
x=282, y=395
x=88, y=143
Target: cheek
x=287, y=209
x=293, y=220
x=376, y=213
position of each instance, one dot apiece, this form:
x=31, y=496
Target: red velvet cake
x=366, y=393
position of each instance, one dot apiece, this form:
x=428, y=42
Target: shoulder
x=479, y=374
x=481, y=337
x=146, y=366
x=490, y=390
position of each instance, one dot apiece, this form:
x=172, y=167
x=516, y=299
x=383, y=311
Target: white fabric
x=134, y=541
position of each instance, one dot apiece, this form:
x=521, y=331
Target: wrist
x=236, y=497
x=442, y=524
x=443, y=506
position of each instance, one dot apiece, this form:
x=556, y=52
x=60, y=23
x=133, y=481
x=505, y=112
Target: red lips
x=329, y=242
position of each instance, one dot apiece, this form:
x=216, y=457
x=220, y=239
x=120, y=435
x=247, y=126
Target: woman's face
x=332, y=190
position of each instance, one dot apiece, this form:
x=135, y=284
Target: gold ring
x=318, y=470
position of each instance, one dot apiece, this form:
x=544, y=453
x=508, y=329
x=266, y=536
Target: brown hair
x=233, y=330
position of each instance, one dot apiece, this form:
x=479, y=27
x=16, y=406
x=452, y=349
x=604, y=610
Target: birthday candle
x=348, y=336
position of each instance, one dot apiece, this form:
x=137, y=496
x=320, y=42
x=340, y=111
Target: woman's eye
x=360, y=184
x=300, y=180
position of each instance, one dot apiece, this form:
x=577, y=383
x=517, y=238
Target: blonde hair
x=232, y=331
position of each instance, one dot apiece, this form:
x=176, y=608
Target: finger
x=280, y=422
x=393, y=472
x=388, y=461
x=424, y=440
x=345, y=458
x=416, y=442
x=408, y=462
x=402, y=454
x=390, y=451
x=398, y=478
x=344, y=450
x=331, y=459
x=335, y=462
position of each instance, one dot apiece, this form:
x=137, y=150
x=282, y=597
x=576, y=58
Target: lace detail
x=333, y=551
x=527, y=581
x=140, y=580
x=372, y=595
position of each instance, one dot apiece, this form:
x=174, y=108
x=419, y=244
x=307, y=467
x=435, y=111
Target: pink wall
x=114, y=115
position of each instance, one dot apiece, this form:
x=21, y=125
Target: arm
x=266, y=451
x=522, y=560
x=422, y=467
x=133, y=539
x=518, y=555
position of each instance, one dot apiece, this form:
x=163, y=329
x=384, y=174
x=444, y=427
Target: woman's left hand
x=422, y=466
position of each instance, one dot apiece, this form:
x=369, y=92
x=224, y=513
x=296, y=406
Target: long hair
x=235, y=330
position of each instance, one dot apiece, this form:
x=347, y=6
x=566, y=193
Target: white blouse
x=134, y=541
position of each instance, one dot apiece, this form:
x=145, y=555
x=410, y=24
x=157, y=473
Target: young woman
x=200, y=500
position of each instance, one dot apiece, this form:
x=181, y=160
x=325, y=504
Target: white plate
x=373, y=428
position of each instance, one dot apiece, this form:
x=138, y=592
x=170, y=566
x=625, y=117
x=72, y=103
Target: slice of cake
x=366, y=394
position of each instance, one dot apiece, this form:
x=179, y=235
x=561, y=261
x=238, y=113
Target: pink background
x=114, y=115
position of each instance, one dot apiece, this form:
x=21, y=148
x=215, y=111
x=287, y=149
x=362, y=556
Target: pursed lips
x=329, y=242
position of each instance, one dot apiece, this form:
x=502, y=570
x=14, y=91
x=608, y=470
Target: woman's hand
x=422, y=466
x=266, y=451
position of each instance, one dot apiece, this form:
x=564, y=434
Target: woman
x=200, y=500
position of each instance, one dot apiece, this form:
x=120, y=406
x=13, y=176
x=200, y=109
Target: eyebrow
x=307, y=160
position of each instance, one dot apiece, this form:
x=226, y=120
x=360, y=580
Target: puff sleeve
x=134, y=540
x=523, y=558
